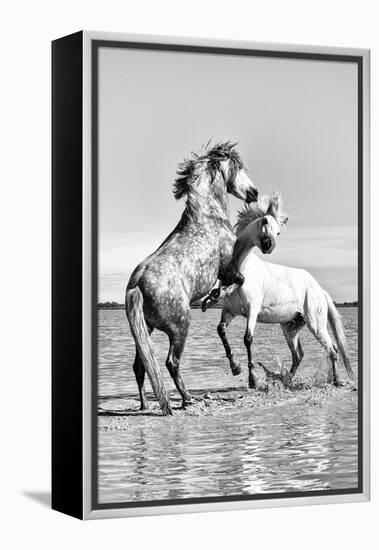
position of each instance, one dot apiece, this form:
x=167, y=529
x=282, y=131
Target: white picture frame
x=75, y=261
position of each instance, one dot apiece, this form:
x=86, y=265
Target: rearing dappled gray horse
x=187, y=264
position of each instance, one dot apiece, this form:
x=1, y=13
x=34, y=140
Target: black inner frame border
x=231, y=51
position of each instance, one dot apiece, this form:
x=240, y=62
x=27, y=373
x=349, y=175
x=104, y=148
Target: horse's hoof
x=236, y=369
x=188, y=402
x=338, y=384
x=167, y=410
x=287, y=380
x=144, y=407
x=253, y=380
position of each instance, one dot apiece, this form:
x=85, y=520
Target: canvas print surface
x=227, y=208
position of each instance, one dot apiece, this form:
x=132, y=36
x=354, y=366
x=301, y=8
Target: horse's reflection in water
x=187, y=264
x=231, y=454
x=299, y=451
x=188, y=466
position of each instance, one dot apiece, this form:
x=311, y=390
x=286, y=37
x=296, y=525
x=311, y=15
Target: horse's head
x=261, y=224
x=236, y=179
x=240, y=185
x=211, y=174
x=267, y=232
x=228, y=161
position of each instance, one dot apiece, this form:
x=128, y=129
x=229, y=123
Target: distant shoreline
x=115, y=305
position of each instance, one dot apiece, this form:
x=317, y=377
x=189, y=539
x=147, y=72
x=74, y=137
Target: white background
x=27, y=28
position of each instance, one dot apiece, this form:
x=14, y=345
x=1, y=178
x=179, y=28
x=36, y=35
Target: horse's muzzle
x=267, y=245
x=251, y=195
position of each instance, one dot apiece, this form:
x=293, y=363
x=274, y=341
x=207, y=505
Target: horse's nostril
x=251, y=195
x=266, y=245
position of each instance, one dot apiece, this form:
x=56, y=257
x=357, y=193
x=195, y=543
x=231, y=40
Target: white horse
x=273, y=293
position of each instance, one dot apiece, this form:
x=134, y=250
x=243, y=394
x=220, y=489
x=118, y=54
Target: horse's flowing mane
x=206, y=163
x=266, y=205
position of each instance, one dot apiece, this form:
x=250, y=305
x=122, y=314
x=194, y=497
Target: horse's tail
x=134, y=312
x=339, y=334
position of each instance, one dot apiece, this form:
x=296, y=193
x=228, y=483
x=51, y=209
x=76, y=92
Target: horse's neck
x=206, y=213
x=243, y=247
x=245, y=254
x=209, y=201
x=192, y=221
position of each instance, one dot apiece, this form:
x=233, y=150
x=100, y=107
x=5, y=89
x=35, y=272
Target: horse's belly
x=278, y=313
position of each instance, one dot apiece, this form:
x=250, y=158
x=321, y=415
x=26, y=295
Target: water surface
x=282, y=447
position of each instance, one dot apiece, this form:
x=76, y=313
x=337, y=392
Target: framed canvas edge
x=117, y=512
x=222, y=43
x=222, y=506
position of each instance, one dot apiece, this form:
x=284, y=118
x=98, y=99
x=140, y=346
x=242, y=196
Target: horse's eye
x=278, y=234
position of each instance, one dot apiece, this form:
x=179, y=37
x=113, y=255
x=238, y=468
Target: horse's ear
x=274, y=209
x=274, y=206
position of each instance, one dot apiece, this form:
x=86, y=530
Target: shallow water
x=290, y=446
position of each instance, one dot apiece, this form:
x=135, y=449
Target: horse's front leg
x=212, y=297
x=226, y=318
x=248, y=341
x=225, y=287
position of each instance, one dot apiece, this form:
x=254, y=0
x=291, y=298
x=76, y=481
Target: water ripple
x=274, y=449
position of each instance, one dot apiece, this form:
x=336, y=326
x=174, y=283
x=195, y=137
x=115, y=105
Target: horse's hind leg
x=177, y=341
x=226, y=318
x=291, y=332
x=317, y=324
x=139, y=371
x=325, y=340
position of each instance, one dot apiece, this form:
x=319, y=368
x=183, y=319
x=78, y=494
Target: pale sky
x=295, y=120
